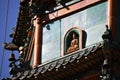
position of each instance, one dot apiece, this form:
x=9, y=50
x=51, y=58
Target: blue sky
x=12, y=20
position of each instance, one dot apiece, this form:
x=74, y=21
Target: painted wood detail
x=112, y=16
x=69, y=9
x=38, y=41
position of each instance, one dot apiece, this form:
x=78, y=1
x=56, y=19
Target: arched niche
x=68, y=39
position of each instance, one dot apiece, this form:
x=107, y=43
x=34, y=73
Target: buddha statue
x=74, y=44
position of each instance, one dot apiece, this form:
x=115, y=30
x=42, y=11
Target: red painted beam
x=112, y=16
x=69, y=9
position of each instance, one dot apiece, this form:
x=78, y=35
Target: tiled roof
x=56, y=64
x=23, y=24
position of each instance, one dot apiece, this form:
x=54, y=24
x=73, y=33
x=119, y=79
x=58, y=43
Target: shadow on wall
x=84, y=38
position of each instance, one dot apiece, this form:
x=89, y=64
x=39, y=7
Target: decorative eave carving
x=61, y=62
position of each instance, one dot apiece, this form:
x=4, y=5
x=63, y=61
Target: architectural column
x=38, y=40
x=112, y=16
